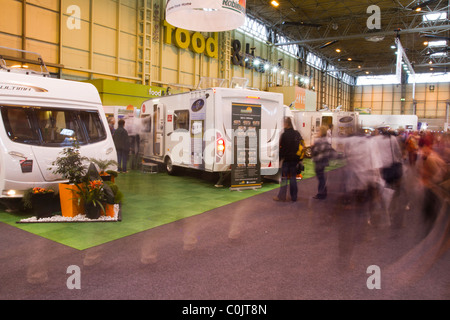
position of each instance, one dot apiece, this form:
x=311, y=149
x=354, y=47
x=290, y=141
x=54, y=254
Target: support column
x=24, y=25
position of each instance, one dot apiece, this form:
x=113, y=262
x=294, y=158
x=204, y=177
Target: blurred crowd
x=394, y=170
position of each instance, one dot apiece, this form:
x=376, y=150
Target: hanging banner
x=246, y=167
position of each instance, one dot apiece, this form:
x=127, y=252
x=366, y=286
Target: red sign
x=300, y=98
x=169, y=118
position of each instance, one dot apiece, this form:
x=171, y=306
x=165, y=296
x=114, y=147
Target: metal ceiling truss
x=320, y=26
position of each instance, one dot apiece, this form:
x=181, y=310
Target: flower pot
x=69, y=200
x=92, y=212
x=106, y=177
x=109, y=210
x=44, y=205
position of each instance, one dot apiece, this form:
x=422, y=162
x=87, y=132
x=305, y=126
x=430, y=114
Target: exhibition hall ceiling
x=357, y=36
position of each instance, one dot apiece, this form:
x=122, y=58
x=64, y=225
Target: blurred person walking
x=432, y=173
x=122, y=144
x=111, y=123
x=362, y=166
x=289, y=143
x=321, y=152
x=391, y=170
x=412, y=147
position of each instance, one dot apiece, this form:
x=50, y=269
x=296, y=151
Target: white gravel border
x=78, y=218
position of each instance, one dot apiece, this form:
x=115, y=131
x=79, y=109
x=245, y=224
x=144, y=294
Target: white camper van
x=308, y=124
x=199, y=129
x=39, y=117
x=394, y=122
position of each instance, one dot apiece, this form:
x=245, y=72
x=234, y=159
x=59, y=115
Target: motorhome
x=40, y=116
x=308, y=123
x=394, y=122
x=201, y=129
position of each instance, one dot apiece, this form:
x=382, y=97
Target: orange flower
x=37, y=190
x=96, y=184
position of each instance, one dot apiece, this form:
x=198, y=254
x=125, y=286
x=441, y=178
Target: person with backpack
x=122, y=143
x=289, y=142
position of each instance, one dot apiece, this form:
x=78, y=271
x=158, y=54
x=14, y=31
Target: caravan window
x=181, y=121
x=52, y=127
x=92, y=123
x=59, y=127
x=18, y=125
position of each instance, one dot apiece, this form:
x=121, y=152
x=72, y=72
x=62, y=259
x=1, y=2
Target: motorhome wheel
x=169, y=166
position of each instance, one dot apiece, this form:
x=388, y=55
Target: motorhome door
x=158, y=129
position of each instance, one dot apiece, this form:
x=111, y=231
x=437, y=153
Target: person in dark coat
x=289, y=142
x=122, y=144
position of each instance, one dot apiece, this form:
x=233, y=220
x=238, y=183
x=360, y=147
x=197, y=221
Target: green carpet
x=150, y=200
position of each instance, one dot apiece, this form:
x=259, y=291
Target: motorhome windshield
x=52, y=127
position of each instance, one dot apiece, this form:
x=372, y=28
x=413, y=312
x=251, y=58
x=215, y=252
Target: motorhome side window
x=147, y=124
x=326, y=121
x=52, y=127
x=181, y=120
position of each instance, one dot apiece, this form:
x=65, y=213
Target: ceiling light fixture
x=274, y=3
x=206, y=15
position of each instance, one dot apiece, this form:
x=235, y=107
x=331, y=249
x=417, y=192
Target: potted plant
x=92, y=194
x=103, y=165
x=112, y=201
x=41, y=201
x=70, y=166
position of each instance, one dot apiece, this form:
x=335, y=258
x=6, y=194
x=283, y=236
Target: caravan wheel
x=169, y=166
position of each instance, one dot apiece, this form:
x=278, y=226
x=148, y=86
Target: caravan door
x=158, y=130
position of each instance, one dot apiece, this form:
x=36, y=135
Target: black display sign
x=246, y=167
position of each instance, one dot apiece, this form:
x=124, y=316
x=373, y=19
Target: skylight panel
x=436, y=16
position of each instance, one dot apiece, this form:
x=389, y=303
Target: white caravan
x=196, y=129
x=308, y=124
x=39, y=117
x=394, y=122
